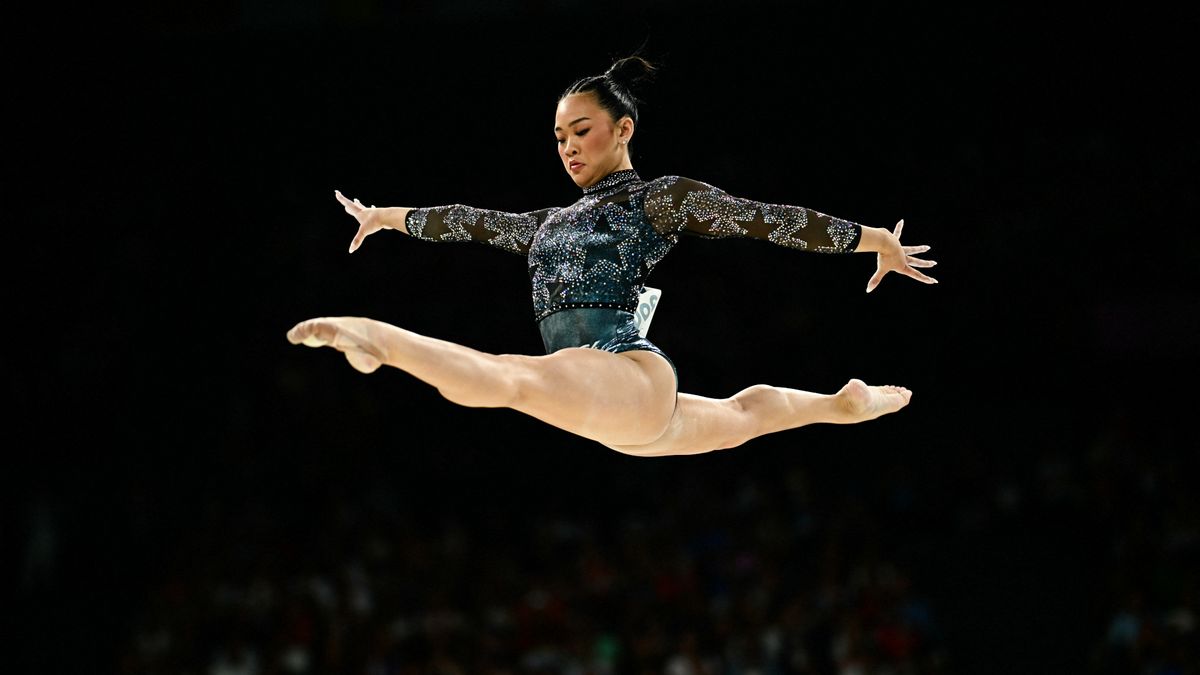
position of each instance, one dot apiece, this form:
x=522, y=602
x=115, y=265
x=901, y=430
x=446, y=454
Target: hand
x=370, y=219
x=902, y=259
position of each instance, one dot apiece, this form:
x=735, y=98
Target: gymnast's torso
x=597, y=253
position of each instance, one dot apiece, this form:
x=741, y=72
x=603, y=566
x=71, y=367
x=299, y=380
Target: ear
x=625, y=128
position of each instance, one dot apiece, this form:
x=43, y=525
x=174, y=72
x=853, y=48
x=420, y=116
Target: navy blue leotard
x=588, y=261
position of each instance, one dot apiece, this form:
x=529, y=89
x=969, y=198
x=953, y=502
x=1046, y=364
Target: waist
x=578, y=326
x=560, y=306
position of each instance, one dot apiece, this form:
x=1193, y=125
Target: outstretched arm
x=508, y=231
x=677, y=205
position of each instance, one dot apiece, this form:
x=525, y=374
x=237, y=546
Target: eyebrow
x=573, y=123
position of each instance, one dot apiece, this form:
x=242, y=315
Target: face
x=590, y=144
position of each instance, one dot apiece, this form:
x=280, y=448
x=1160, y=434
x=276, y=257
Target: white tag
x=647, y=303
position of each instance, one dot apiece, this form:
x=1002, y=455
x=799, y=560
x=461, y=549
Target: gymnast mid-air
x=601, y=378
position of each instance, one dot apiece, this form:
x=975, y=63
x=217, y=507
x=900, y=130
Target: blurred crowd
x=766, y=573
x=756, y=580
x=1143, y=488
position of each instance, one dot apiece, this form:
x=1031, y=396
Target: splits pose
x=600, y=378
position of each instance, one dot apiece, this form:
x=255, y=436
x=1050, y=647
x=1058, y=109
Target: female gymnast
x=601, y=379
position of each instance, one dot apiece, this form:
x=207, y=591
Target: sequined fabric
x=598, y=251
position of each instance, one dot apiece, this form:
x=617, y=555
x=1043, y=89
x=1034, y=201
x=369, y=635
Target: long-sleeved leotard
x=598, y=251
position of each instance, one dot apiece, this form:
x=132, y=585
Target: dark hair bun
x=629, y=71
x=614, y=89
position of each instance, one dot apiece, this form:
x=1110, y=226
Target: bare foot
x=349, y=335
x=862, y=402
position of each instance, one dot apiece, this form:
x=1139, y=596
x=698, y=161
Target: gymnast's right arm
x=511, y=232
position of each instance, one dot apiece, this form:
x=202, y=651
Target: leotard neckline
x=612, y=180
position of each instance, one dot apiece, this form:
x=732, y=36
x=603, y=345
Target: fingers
x=915, y=249
x=918, y=262
x=875, y=279
x=358, y=238
x=356, y=209
x=899, y=227
x=352, y=207
x=908, y=271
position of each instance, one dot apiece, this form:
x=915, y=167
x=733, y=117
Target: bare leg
x=703, y=424
x=610, y=398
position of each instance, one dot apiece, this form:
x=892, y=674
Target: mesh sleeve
x=511, y=232
x=677, y=205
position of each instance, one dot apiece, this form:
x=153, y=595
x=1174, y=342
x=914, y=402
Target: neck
x=623, y=165
x=610, y=179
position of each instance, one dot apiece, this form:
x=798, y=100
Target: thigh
x=626, y=397
x=699, y=424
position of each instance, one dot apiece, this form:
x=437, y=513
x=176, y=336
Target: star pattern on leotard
x=414, y=222
x=558, y=254
x=457, y=219
x=600, y=273
x=790, y=220
x=646, y=250
x=633, y=254
x=513, y=232
x=666, y=216
x=721, y=212
x=841, y=233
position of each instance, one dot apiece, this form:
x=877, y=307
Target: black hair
x=615, y=89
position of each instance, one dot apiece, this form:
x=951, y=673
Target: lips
x=575, y=166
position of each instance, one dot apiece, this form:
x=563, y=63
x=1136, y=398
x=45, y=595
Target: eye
x=583, y=132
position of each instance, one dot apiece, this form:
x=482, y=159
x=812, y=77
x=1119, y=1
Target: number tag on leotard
x=647, y=303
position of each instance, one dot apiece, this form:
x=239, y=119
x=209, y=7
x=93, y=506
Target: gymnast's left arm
x=677, y=205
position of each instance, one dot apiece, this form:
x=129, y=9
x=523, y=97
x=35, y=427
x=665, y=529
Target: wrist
x=394, y=218
x=873, y=240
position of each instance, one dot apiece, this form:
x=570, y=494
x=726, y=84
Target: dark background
x=176, y=180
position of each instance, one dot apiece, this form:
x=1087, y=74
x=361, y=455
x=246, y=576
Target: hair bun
x=630, y=70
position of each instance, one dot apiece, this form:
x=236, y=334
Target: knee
x=748, y=408
x=754, y=397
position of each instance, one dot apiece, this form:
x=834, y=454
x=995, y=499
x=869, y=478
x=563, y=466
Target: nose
x=569, y=149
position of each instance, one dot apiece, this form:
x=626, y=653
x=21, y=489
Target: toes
x=299, y=333
x=312, y=333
